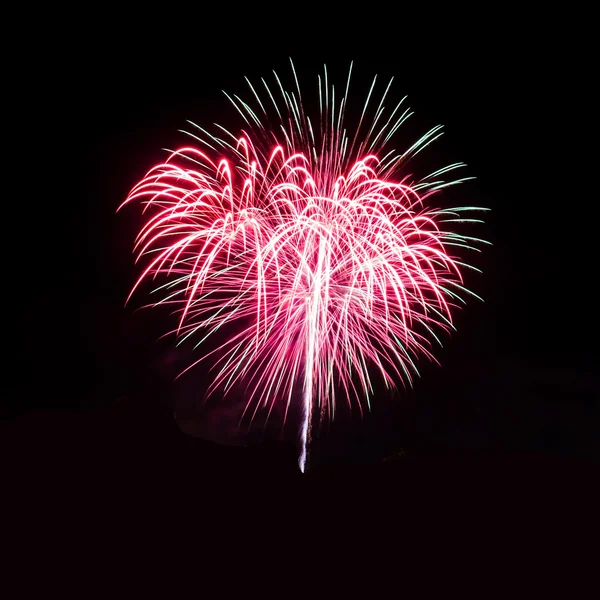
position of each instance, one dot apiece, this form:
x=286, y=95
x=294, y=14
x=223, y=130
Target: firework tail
x=305, y=430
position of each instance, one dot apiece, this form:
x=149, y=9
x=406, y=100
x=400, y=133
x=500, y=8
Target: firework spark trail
x=308, y=242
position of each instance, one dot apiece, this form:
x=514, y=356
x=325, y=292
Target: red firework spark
x=327, y=262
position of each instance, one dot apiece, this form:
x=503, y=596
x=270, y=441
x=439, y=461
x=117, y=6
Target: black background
x=512, y=413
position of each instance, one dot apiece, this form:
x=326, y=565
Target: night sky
x=89, y=403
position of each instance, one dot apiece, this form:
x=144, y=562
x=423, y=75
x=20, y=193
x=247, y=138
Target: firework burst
x=312, y=242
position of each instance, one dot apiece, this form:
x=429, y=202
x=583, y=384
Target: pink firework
x=316, y=246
